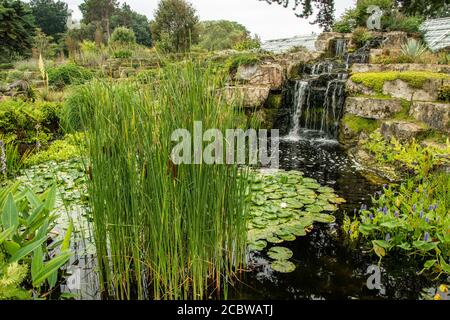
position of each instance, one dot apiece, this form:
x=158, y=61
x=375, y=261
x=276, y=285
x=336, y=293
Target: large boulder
x=402, y=130
x=372, y=108
x=434, y=114
x=402, y=90
x=394, y=39
x=250, y=96
x=366, y=67
x=267, y=74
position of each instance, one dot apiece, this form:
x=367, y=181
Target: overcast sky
x=268, y=21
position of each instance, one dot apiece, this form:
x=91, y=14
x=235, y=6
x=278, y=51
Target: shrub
x=67, y=74
x=444, y=93
x=409, y=24
x=248, y=44
x=29, y=122
x=343, y=26
x=123, y=37
x=361, y=36
x=122, y=54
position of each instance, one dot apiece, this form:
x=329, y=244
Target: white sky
x=268, y=21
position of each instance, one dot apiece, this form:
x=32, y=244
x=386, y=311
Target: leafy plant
x=123, y=36
x=412, y=219
x=361, y=36
x=25, y=227
x=413, y=48
x=444, y=93
x=122, y=54
x=67, y=74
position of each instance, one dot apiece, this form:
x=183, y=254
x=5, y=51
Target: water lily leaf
x=288, y=237
x=283, y=266
x=257, y=245
x=273, y=239
x=326, y=190
x=294, y=204
x=330, y=207
x=275, y=196
x=280, y=253
x=314, y=209
x=324, y=218
x=259, y=200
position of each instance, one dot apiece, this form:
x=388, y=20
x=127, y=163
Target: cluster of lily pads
x=285, y=206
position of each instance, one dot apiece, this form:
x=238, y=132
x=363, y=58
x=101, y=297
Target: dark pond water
x=327, y=267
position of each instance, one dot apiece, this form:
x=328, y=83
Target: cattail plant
x=162, y=231
x=2, y=158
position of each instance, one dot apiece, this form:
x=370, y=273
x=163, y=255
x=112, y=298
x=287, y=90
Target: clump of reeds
x=162, y=231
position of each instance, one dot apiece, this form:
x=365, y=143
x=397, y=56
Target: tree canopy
x=50, y=16
x=221, y=34
x=95, y=11
x=17, y=28
x=175, y=25
x=139, y=23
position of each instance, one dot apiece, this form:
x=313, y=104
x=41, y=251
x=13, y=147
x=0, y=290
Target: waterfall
x=341, y=47
x=300, y=97
x=318, y=99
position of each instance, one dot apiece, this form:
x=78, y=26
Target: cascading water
x=318, y=100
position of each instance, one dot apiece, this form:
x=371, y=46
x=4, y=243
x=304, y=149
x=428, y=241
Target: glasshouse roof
x=437, y=33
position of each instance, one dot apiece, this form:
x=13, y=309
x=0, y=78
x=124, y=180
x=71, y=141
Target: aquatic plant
x=411, y=219
x=284, y=206
x=26, y=224
x=162, y=231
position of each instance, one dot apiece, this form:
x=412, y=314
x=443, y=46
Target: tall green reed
x=162, y=231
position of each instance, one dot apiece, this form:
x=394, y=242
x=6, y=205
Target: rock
x=251, y=96
x=363, y=67
x=402, y=90
x=354, y=89
x=394, y=40
x=324, y=40
x=270, y=74
x=402, y=130
x=372, y=108
x=434, y=114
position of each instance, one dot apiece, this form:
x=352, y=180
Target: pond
x=326, y=266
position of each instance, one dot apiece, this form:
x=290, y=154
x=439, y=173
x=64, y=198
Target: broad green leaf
x=6, y=234
x=10, y=215
x=37, y=212
x=428, y=264
x=37, y=262
x=50, y=199
x=52, y=279
x=23, y=252
x=50, y=267
x=283, y=266
x=11, y=247
x=66, y=242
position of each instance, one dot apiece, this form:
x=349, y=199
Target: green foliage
x=248, y=44
x=413, y=48
x=174, y=27
x=410, y=157
x=25, y=233
x=361, y=36
x=12, y=275
x=58, y=151
x=122, y=54
x=221, y=34
x=139, y=23
x=233, y=62
x=123, y=37
x=9, y=156
x=29, y=122
x=67, y=74
x=412, y=219
x=16, y=29
x=444, y=93
x=50, y=16
x=376, y=80
x=147, y=76
x=400, y=22
x=153, y=222
x=358, y=124
x=98, y=12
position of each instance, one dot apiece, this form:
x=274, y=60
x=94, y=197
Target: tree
x=426, y=9
x=175, y=26
x=139, y=23
x=17, y=28
x=50, y=16
x=305, y=9
x=221, y=34
x=99, y=11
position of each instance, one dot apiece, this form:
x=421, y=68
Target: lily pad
x=280, y=253
x=283, y=266
x=257, y=245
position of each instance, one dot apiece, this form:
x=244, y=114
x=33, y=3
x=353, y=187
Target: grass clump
x=376, y=80
x=162, y=231
x=244, y=59
x=358, y=124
